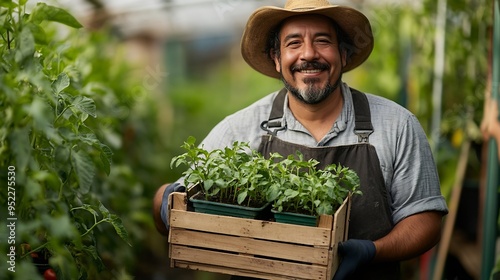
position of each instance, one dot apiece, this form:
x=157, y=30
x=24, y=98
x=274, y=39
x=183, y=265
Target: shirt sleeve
x=219, y=137
x=415, y=183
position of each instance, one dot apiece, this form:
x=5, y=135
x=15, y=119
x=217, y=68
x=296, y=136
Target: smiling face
x=309, y=59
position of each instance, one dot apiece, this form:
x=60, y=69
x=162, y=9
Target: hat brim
x=264, y=20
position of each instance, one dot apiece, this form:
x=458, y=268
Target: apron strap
x=274, y=124
x=362, y=126
x=362, y=121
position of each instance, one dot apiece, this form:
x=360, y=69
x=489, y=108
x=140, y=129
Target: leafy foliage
x=302, y=188
x=239, y=174
x=50, y=131
x=234, y=174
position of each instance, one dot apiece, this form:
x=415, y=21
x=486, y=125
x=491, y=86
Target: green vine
x=50, y=134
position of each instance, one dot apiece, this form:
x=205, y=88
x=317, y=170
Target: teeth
x=311, y=71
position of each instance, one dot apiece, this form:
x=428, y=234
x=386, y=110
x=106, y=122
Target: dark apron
x=370, y=213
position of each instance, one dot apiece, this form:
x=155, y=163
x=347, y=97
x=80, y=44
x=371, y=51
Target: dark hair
x=273, y=41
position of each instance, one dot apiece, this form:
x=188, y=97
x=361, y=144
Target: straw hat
x=265, y=19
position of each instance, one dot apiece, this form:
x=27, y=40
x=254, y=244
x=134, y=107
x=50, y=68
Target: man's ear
x=276, y=60
x=343, y=55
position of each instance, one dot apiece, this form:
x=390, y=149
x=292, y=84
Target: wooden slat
x=169, y=208
x=250, y=228
x=339, y=234
x=326, y=221
x=341, y=223
x=175, y=201
x=261, y=248
x=232, y=262
x=179, y=201
x=239, y=272
x=250, y=246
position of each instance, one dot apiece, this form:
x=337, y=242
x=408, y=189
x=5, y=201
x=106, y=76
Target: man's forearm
x=160, y=226
x=411, y=237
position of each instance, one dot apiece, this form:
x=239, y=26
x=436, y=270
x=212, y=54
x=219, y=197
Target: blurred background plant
x=67, y=102
x=93, y=115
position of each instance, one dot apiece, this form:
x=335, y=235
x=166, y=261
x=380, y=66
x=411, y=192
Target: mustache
x=310, y=65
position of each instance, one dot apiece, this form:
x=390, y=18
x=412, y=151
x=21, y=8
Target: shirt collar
x=340, y=124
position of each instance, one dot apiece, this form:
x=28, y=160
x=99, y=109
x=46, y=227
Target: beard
x=313, y=93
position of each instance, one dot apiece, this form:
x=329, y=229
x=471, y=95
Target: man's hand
x=354, y=253
x=175, y=187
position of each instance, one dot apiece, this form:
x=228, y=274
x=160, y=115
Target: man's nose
x=309, y=52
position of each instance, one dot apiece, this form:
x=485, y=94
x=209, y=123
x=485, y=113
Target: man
x=309, y=45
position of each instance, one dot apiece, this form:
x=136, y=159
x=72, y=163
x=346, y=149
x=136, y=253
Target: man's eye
x=293, y=43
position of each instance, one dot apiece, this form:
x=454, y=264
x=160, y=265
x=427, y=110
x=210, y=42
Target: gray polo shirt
x=405, y=157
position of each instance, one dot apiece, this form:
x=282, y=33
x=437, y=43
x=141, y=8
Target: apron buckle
x=363, y=135
x=266, y=125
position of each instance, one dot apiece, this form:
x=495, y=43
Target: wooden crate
x=254, y=248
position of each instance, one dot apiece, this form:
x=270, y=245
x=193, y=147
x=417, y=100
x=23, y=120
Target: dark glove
x=175, y=187
x=354, y=253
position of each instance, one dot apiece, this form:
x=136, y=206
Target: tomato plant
x=54, y=115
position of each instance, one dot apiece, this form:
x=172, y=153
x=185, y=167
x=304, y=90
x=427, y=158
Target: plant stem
x=93, y=226
x=64, y=184
x=64, y=110
x=8, y=40
x=36, y=249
